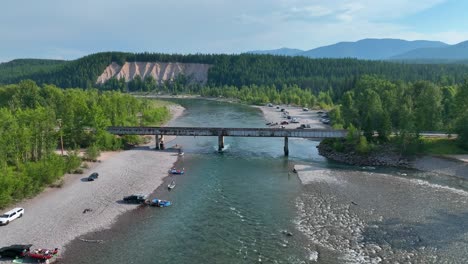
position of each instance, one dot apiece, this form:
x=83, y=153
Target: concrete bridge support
x=220, y=143
x=286, y=146
x=159, y=142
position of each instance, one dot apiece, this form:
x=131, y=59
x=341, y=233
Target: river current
x=246, y=206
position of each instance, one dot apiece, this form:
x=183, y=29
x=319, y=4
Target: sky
x=66, y=29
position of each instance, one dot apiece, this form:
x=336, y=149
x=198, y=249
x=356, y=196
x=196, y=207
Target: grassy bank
x=440, y=146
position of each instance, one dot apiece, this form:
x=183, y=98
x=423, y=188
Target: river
x=246, y=206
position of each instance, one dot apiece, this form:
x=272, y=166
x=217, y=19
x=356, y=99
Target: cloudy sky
x=66, y=29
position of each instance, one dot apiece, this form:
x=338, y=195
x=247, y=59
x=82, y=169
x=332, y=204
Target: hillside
x=160, y=71
x=15, y=70
x=370, y=49
x=245, y=69
x=453, y=52
x=366, y=49
x=280, y=52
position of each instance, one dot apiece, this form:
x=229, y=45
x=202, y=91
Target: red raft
x=43, y=254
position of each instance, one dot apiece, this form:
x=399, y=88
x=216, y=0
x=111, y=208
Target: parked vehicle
x=136, y=198
x=284, y=123
x=175, y=171
x=160, y=203
x=171, y=185
x=15, y=251
x=295, y=120
x=93, y=176
x=43, y=254
x=270, y=105
x=325, y=121
x=11, y=215
x=305, y=109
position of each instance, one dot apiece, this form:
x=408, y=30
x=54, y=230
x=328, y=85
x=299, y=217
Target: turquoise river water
x=246, y=206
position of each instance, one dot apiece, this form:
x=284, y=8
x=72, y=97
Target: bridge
x=160, y=132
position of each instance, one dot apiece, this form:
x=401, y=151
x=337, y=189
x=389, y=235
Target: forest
x=395, y=111
x=34, y=118
x=315, y=75
x=387, y=102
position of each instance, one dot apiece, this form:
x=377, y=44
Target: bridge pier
x=286, y=146
x=220, y=143
x=159, y=142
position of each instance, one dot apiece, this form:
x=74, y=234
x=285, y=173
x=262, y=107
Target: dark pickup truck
x=135, y=198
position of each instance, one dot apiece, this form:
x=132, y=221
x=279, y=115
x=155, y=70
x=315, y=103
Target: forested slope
x=16, y=70
x=248, y=69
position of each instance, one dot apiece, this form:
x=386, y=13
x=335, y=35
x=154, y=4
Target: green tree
x=427, y=106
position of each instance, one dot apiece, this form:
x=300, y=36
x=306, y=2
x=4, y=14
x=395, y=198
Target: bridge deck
x=232, y=132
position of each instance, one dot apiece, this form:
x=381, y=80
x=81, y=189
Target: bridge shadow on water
x=439, y=231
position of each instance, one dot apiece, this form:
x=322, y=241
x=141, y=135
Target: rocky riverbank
x=383, y=156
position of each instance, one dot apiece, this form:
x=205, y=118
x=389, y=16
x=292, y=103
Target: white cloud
x=58, y=28
x=312, y=10
x=352, y=10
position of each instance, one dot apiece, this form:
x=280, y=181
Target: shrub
x=338, y=146
x=73, y=161
x=353, y=134
x=363, y=147
x=92, y=153
x=58, y=183
x=78, y=171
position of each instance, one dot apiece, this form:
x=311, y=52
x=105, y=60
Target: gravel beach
x=453, y=165
x=57, y=215
x=274, y=115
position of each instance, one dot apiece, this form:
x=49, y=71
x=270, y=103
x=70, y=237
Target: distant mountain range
x=450, y=52
x=382, y=49
x=282, y=51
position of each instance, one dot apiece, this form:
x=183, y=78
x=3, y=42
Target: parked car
x=325, y=121
x=11, y=215
x=270, y=105
x=295, y=120
x=305, y=109
x=15, y=251
x=284, y=123
x=136, y=198
x=302, y=126
x=93, y=176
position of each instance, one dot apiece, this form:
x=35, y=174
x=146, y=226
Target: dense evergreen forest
x=316, y=75
x=16, y=70
x=386, y=101
x=33, y=119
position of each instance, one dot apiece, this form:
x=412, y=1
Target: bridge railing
x=233, y=132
